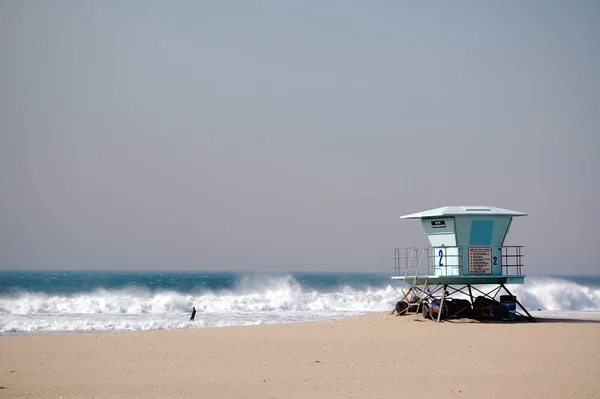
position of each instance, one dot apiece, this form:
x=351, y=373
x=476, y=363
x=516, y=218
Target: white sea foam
x=252, y=301
x=554, y=294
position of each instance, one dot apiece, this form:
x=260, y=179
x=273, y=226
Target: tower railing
x=449, y=261
x=512, y=260
x=405, y=261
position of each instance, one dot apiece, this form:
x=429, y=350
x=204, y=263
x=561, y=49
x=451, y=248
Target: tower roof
x=463, y=210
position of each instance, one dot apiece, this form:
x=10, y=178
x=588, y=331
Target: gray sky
x=291, y=135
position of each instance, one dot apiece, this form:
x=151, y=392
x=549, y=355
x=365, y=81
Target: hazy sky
x=291, y=135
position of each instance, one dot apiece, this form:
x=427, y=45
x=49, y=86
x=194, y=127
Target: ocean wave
x=275, y=294
x=272, y=294
x=252, y=300
x=556, y=294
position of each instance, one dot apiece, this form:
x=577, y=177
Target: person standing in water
x=193, y=314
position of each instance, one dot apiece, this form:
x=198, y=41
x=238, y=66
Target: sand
x=373, y=356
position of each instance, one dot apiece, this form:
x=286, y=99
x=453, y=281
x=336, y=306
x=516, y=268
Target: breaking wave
x=252, y=300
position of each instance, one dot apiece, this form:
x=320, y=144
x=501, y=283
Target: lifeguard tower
x=467, y=250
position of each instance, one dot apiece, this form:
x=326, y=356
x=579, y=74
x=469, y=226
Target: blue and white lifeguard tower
x=467, y=249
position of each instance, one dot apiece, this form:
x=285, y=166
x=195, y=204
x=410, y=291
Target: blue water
x=51, y=302
x=185, y=282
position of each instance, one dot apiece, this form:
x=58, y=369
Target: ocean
x=33, y=302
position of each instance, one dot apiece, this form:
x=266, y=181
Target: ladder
x=409, y=255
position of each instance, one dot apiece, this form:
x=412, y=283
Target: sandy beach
x=373, y=356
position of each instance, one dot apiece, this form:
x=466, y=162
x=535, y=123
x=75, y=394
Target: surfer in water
x=193, y=314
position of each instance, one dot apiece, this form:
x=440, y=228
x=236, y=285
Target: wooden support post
x=470, y=294
x=442, y=303
x=408, y=292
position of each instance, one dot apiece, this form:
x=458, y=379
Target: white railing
x=448, y=261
